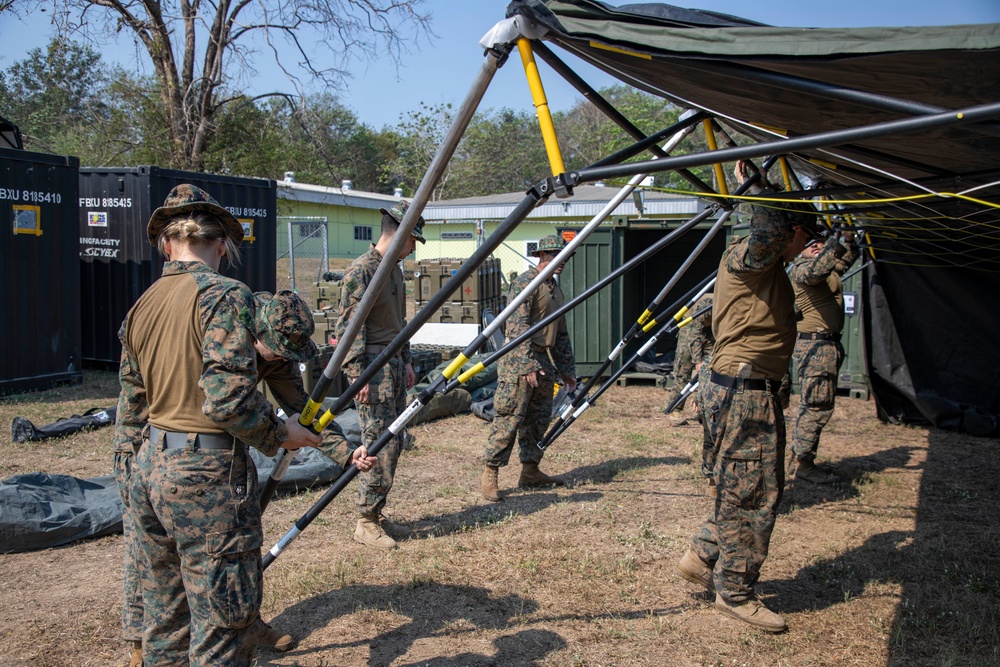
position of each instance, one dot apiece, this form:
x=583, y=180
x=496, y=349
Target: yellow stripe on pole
x=720, y=175
x=786, y=174
x=823, y=163
x=680, y=313
x=868, y=240
x=309, y=413
x=464, y=377
x=615, y=49
x=686, y=321
x=645, y=316
x=325, y=420
x=649, y=325
x=541, y=107
x=455, y=366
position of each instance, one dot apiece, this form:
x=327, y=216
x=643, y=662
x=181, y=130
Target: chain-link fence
x=303, y=254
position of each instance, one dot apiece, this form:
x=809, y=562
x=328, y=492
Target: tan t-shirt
x=547, y=299
x=165, y=334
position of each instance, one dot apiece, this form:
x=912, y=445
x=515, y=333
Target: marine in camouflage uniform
x=385, y=398
x=819, y=296
x=695, y=341
x=187, y=409
x=279, y=369
x=526, y=378
x=687, y=354
x=754, y=327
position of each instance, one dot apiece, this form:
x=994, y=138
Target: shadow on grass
x=428, y=610
x=856, y=471
x=516, y=503
x=521, y=502
x=949, y=609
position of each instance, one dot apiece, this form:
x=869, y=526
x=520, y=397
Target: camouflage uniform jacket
x=753, y=318
x=529, y=357
x=229, y=373
x=393, y=296
x=700, y=340
x=818, y=289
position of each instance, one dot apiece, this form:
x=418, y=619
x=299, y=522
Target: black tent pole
x=519, y=213
x=784, y=146
x=586, y=402
x=494, y=60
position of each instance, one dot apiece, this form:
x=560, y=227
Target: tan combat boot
x=489, y=485
x=532, y=476
x=268, y=637
x=807, y=470
x=695, y=570
x=135, y=657
x=370, y=533
x=752, y=612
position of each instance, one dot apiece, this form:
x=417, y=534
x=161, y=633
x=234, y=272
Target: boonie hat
x=185, y=198
x=398, y=211
x=284, y=324
x=552, y=244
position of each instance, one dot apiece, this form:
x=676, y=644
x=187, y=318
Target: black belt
x=172, y=440
x=818, y=335
x=754, y=384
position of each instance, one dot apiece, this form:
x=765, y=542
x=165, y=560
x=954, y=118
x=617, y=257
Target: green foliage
x=54, y=96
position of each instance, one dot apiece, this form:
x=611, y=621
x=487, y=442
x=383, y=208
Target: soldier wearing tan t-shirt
x=819, y=296
x=754, y=325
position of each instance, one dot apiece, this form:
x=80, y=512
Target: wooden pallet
x=637, y=378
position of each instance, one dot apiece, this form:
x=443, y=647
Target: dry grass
x=897, y=568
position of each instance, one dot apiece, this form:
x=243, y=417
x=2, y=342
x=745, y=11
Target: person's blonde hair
x=198, y=228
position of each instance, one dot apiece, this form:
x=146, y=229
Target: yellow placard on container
x=27, y=219
x=247, y=223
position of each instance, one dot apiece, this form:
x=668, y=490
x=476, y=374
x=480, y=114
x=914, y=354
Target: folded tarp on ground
x=38, y=510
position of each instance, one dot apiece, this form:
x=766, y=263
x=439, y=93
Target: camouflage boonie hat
x=284, y=324
x=551, y=244
x=398, y=211
x=185, y=198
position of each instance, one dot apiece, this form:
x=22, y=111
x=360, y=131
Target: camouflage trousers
x=818, y=362
x=523, y=412
x=708, y=439
x=197, y=520
x=386, y=401
x=683, y=368
x=132, y=614
x=746, y=461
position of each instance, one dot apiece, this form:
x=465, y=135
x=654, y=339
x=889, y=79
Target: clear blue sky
x=443, y=70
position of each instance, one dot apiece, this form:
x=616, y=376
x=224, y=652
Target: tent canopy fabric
x=928, y=199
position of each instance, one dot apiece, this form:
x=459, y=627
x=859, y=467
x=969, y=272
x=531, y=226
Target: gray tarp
x=38, y=510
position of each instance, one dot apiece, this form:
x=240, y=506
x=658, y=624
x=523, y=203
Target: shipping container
x=598, y=324
x=39, y=271
x=117, y=262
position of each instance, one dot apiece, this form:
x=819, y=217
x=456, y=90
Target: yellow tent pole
x=541, y=107
x=720, y=175
x=785, y=174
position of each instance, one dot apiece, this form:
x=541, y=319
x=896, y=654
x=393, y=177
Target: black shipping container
x=39, y=271
x=118, y=264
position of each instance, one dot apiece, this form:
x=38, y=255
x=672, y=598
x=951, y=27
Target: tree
x=201, y=52
x=55, y=96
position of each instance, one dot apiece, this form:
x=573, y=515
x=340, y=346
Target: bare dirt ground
x=898, y=566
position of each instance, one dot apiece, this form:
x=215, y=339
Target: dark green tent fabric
x=936, y=258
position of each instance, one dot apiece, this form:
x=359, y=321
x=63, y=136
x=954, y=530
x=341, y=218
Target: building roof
x=586, y=202
x=321, y=194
